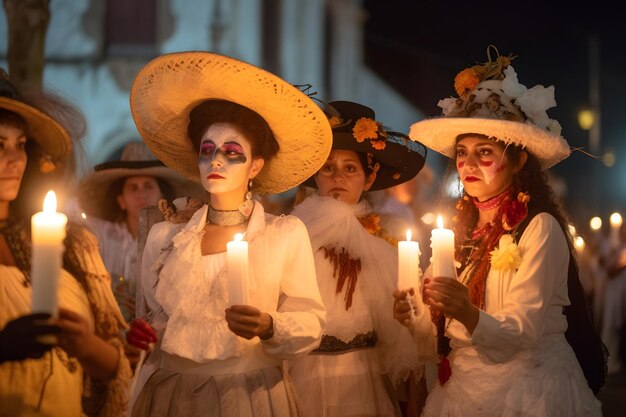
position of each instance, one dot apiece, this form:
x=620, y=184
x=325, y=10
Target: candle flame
x=50, y=202
x=616, y=219
x=408, y=234
x=579, y=242
x=83, y=215
x=439, y=222
x=238, y=237
x=595, y=223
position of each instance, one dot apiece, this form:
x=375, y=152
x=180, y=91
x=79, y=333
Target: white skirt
x=542, y=382
x=342, y=385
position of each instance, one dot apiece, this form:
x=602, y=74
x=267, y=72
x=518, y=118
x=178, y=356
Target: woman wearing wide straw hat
x=501, y=330
x=112, y=197
x=365, y=357
x=83, y=369
x=236, y=129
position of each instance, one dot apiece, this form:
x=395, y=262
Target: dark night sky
x=419, y=46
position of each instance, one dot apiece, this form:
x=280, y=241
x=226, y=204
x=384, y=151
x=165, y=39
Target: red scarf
x=481, y=242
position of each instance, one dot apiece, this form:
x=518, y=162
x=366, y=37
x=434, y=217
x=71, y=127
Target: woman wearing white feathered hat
x=512, y=333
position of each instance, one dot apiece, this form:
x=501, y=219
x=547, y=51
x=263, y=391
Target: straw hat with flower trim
x=169, y=87
x=493, y=103
x=51, y=137
x=136, y=160
x=394, y=156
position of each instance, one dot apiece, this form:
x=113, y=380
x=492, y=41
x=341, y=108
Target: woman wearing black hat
x=83, y=369
x=364, y=356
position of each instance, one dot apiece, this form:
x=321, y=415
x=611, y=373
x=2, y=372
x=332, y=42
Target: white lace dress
x=200, y=367
x=365, y=354
x=517, y=362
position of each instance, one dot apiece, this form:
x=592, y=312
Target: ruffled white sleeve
x=536, y=294
x=300, y=314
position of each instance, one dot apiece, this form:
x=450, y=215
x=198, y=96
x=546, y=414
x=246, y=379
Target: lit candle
x=616, y=224
x=442, y=244
x=408, y=263
x=579, y=244
x=48, y=232
x=237, y=255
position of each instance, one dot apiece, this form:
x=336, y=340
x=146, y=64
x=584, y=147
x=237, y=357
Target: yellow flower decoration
x=466, y=80
x=371, y=223
x=507, y=255
x=365, y=128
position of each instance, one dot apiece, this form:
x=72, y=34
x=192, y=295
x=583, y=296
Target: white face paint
x=225, y=160
x=483, y=167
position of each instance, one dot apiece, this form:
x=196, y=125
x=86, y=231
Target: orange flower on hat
x=378, y=144
x=365, y=128
x=334, y=121
x=466, y=80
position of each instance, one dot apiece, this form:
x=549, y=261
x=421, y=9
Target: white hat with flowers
x=493, y=103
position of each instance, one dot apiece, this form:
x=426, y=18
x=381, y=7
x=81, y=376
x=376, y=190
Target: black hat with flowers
x=392, y=155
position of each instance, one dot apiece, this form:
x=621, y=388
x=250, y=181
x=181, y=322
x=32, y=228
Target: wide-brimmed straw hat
x=395, y=157
x=169, y=87
x=51, y=137
x=136, y=160
x=493, y=103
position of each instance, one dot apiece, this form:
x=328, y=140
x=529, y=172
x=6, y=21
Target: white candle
x=237, y=255
x=408, y=263
x=48, y=232
x=442, y=244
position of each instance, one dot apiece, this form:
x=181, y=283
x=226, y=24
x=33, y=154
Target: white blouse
x=185, y=294
x=520, y=306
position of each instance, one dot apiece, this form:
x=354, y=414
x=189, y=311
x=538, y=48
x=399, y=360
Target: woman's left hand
x=247, y=321
x=451, y=297
x=75, y=334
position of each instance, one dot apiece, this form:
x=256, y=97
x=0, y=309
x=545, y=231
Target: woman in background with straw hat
x=112, y=197
x=235, y=129
x=512, y=333
x=81, y=370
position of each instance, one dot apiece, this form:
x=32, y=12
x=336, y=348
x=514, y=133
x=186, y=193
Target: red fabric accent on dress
x=444, y=372
x=345, y=269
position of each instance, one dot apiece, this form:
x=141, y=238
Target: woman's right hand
x=27, y=337
x=141, y=334
x=401, y=307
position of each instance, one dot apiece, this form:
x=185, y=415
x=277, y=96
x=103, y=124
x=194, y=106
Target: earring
x=249, y=193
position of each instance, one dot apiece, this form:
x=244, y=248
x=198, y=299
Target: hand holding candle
x=238, y=272
x=408, y=263
x=442, y=244
x=48, y=232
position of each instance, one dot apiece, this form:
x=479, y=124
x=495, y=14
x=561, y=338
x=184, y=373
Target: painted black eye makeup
x=233, y=152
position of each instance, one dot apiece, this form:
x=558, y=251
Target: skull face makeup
x=483, y=167
x=225, y=160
